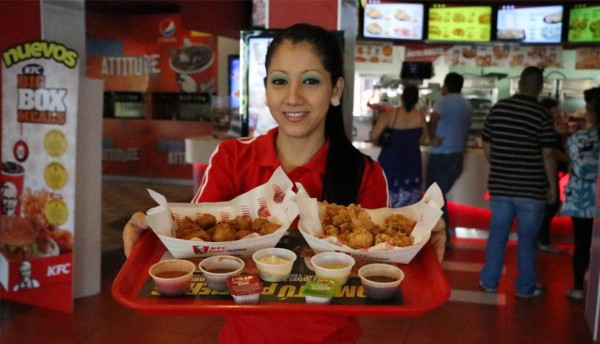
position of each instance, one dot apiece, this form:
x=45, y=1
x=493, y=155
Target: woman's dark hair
x=345, y=164
x=410, y=97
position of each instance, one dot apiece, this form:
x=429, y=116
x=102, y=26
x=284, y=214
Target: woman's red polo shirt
x=238, y=166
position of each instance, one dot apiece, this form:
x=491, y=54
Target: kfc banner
x=39, y=122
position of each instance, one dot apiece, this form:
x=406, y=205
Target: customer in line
x=562, y=165
x=400, y=156
x=583, y=148
x=448, y=129
x=518, y=140
x=304, y=86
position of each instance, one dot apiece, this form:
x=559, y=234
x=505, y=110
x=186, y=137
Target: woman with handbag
x=400, y=132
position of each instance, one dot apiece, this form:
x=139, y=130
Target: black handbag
x=384, y=138
x=385, y=135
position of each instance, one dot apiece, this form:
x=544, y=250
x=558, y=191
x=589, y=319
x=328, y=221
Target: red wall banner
x=158, y=80
x=150, y=53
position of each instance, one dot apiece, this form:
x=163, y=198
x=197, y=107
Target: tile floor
x=470, y=316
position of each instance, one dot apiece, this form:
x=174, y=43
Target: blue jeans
x=444, y=169
x=529, y=214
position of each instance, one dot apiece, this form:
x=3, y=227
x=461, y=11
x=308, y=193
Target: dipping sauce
x=273, y=260
x=219, y=270
x=381, y=279
x=245, y=288
x=274, y=264
x=170, y=274
x=318, y=290
x=333, y=266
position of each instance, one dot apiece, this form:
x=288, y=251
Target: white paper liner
x=272, y=200
x=426, y=213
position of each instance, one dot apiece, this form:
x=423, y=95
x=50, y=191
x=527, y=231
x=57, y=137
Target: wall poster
x=496, y=55
x=39, y=105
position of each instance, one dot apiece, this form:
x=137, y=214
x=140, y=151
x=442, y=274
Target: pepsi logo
x=167, y=27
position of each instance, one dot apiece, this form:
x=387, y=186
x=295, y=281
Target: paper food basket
x=272, y=200
x=426, y=213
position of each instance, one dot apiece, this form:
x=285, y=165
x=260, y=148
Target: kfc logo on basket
x=263, y=210
x=201, y=249
x=278, y=195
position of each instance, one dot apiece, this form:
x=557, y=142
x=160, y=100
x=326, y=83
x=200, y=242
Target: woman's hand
x=438, y=239
x=435, y=141
x=133, y=230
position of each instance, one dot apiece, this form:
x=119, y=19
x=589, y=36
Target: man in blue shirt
x=448, y=129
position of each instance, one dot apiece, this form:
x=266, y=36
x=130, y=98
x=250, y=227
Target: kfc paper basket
x=426, y=213
x=272, y=201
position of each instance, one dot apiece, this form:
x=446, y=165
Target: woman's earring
x=335, y=101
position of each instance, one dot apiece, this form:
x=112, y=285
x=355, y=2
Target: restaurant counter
x=471, y=186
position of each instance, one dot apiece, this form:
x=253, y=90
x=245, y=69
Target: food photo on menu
x=459, y=23
x=584, y=23
x=529, y=24
x=393, y=20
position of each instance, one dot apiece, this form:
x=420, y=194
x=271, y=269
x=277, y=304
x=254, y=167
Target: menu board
x=459, y=23
x=393, y=20
x=584, y=24
x=529, y=24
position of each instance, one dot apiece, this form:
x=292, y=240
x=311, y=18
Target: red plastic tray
x=424, y=287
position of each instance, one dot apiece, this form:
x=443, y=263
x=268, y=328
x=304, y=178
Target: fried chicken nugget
x=399, y=239
x=400, y=223
x=243, y=233
x=223, y=232
x=241, y=223
x=200, y=234
x=360, y=239
x=263, y=226
x=330, y=230
x=188, y=229
x=206, y=221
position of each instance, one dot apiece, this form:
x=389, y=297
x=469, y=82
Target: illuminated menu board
x=448, y=22
x=529, y=24
x=393, y=20
x=584, y=24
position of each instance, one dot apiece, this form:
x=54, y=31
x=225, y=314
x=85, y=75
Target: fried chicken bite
x=188, y=229
x=263, y=226
x=223, y=232
x=241, y=223
x=352, y=226
x=206, y=221
x=243, y=233
x=400, y=239
x=360, y=239
x=400, y=223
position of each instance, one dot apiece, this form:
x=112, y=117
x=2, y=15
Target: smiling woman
x=304, y=85
x=299, y=97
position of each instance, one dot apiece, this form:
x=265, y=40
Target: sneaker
x=539, y=291
x=575, y=295
x=550, y=249
x=486, y=289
